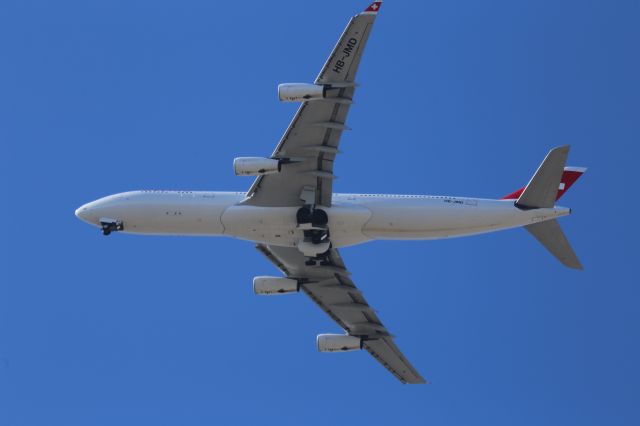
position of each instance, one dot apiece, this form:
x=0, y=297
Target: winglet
x=373, y=8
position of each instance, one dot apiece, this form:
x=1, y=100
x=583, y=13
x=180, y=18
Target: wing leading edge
x=330, y=287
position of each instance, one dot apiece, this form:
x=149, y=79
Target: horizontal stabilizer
x=543, y=187
x=550, y=235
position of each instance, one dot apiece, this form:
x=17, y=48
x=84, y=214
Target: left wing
x=330, y=287
x=314, y=134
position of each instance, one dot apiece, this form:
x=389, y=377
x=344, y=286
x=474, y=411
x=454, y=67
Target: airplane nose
x=83, y=213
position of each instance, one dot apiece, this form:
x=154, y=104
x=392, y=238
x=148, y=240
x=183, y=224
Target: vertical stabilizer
x=543, y=187
x=569, y=177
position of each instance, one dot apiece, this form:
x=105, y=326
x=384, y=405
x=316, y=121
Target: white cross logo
x=374, y=6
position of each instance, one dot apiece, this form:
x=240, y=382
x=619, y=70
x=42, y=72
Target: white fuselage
x=353, y=218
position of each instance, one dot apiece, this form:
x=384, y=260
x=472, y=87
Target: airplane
x=296, y=221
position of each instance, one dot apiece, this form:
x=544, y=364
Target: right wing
x=330, y=287
x=315, y=131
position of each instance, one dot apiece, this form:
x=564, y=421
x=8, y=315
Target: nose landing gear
x=109, y=225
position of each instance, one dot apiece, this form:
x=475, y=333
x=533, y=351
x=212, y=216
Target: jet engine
x=338, y=343
x=301, y=92
x=268, y=286
x=255, y=166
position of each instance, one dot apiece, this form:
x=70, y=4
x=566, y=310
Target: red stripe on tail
x=569, y=177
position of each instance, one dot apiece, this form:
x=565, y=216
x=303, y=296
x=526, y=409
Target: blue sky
x=456, y=97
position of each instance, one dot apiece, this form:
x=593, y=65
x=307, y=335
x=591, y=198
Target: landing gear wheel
x=319, y=218
x=303, y=215
x=324, y=257
x=317, y=236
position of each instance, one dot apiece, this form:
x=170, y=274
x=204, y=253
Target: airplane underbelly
x=346, y=223
x=270, y=225
x=278, y=225
x=439, y=218
x=174, y=218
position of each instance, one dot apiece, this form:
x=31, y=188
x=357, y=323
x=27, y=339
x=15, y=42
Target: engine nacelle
x=255, y=166
x=338, y=343
x=301, y=92
x=268, y=286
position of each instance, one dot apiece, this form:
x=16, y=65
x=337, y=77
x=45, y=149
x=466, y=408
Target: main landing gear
x=313, y=217
x=322, y=259
x=316, y=244
x=108, y=226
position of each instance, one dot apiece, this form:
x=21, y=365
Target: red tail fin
x=570, y=175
